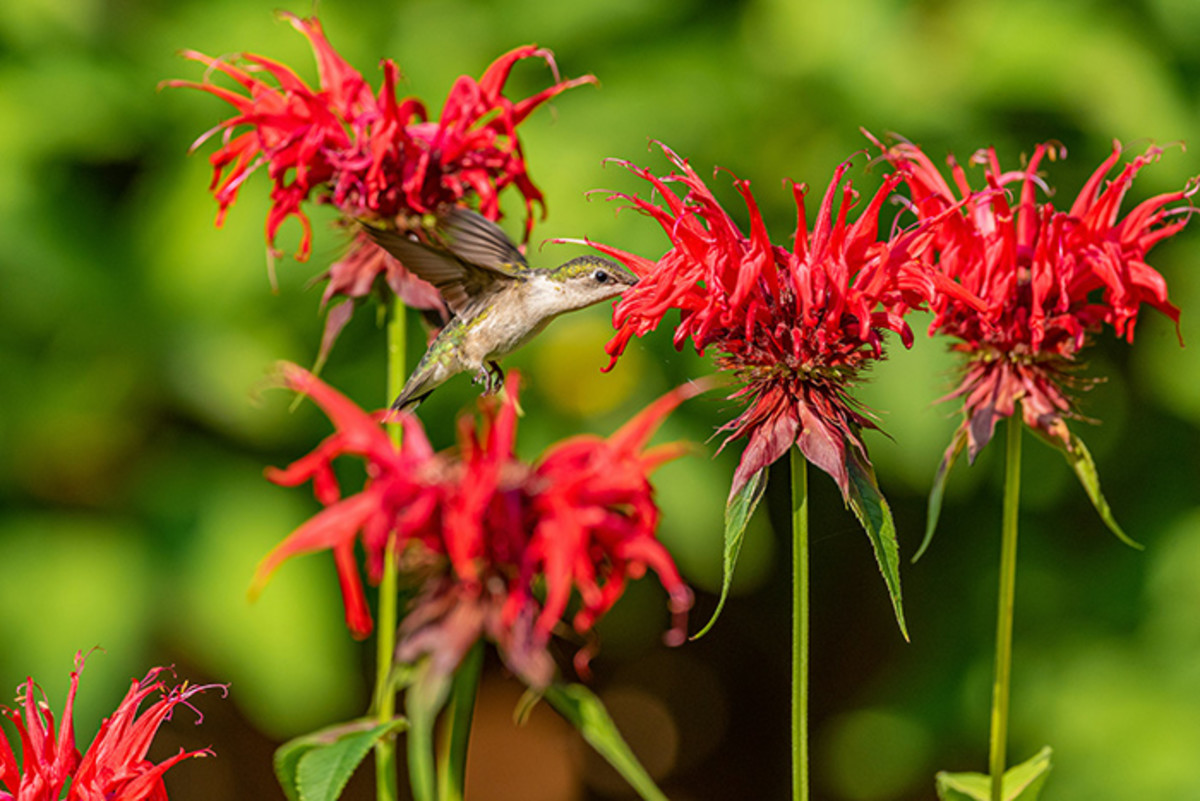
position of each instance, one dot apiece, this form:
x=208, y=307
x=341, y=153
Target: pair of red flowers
x=1020, y=286
x=483, y=527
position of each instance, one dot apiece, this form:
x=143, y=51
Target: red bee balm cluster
x=1048, y=278
x=114, y=767
x=481, y=528
x=372, y=156
x=794, y=326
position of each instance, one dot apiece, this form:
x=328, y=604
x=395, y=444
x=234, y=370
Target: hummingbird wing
x=476, y=254
x=477, y=240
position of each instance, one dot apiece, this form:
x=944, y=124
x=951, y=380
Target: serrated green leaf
x=1021, y=782
x=1084, y=466
x=738, y=512
x=586, y=712
x=875, y=515
x=934, y=510
x=287, y=759
x=289, y=756
x=323, y=771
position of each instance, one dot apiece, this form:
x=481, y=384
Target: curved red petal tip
x=308, y=26
x=872, y=138
x=512, y=387
x=294, y=376
x=583, y=660
x=656, y=457
x=635, y=433
x=680, y=602
x=358, y=621
x=672, y=156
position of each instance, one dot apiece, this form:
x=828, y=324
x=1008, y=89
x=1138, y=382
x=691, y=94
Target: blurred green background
x=135, y=339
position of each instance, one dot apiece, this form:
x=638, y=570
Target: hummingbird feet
x=491, y=376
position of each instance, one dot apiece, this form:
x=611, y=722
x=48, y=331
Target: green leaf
x=310, y=766
x=1080, y=459
x=873, y=512
x=586, y=712
x=287, y=760
x=738, y=512
x=939, y=487
x=1021, y=782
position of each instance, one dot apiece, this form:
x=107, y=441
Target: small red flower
x=794, y=326
x=479, y=529
x=1049, y=279
x=114, y=768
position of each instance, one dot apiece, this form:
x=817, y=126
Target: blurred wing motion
x=477, y=254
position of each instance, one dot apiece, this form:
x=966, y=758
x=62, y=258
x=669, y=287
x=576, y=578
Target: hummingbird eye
x=601, y=277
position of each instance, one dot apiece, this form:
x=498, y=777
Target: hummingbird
x=498, y=301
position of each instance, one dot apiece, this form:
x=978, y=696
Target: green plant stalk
x=422, y=776
x=800, y=626
x=1004, y=614
x=456, y=735
x=384, y=702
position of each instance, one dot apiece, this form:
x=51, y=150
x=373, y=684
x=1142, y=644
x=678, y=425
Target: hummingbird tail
x=408, y=400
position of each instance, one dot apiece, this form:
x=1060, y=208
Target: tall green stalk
x=456, y=733
x=800, y=626
x=1004, y=613
x=384, y=701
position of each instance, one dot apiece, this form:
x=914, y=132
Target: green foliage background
x=135, y=339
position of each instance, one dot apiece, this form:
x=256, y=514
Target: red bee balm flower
x=1049, y=279
x=372, y=156
x=794, y=326
x=480, y=529
x=114, y=767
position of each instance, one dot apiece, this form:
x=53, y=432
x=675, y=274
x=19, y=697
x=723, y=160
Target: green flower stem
x=422, y=777
x=1004, y=616
x=800, y=626
x=384, y=703
x=397, y=372
x=456, y=735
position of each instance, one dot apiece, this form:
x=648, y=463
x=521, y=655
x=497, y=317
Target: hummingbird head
x=589, y=279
